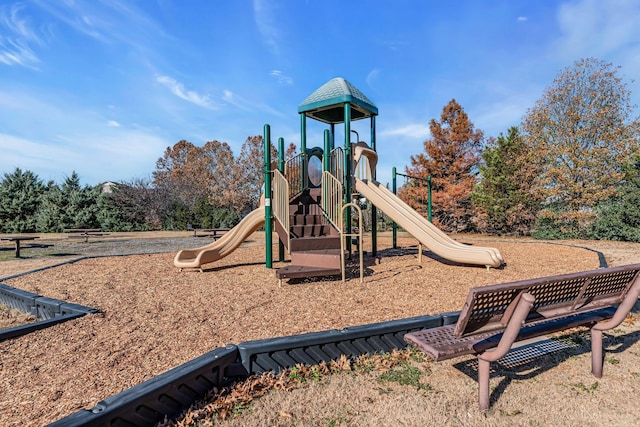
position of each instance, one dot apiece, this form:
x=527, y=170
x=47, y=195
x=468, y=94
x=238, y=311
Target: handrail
x=295, y=174
x=347, y=235
x=331, y=202
x=281, y=202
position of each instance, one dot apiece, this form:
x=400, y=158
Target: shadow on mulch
x=531, y=360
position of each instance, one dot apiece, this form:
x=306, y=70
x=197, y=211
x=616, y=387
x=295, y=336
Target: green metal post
x=333, y=135
x=303, y=149
x=281, y=169
x=374, y=214
x=429, y=198
x=281, y=155
x=326, y=161
x=394, y=227
x=326, y=155
x=267, y=197
x=347, y=170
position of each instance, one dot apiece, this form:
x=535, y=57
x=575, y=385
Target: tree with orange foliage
x=221, y=189
x=451, y=159
x=249, y=172
x=183, y=172
x=582, y=132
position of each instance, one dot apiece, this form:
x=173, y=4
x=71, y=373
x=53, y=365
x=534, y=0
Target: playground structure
x=308, y=198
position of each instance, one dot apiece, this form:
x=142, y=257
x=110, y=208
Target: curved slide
x=427, y=233
x=195, y=258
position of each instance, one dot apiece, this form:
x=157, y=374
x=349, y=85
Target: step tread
x=297, y=271
x=320, y=251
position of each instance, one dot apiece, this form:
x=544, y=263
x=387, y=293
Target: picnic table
x=84, y=233
x=17, y=240
x=216, y=233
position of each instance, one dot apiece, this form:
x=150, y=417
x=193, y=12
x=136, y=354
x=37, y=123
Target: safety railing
x=332, y=194
x=336, y=163
x=280, y=208
x=294, y=172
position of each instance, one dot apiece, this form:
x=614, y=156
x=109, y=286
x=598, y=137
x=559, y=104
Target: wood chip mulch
x=153, y=317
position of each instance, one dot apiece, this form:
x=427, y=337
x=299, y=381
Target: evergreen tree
x=619, y=218
x=20, y=194
x=451, y=159
x=504, y=190
x=69, y=206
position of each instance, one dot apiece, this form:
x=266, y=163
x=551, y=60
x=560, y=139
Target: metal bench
x=495, y=317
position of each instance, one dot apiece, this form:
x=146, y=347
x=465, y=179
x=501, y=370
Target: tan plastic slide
x=426, y=233
x=196, y=258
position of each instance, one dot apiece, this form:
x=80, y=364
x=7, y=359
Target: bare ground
x=153, y=318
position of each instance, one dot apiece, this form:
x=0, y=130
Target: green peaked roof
x=327, y=103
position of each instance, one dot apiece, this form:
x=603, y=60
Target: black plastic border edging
x=168, y=394
x=51, y=311
x=165, y=395
x=276, y=354
x=5, y=334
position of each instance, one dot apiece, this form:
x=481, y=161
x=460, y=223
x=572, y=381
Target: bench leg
x=483, y=384
x=524, y=304
x=597, y=353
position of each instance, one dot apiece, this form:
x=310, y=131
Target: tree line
x=202, y=186
x=570, y=169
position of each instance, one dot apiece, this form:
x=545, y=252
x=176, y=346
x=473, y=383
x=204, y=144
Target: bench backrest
x=488, y=308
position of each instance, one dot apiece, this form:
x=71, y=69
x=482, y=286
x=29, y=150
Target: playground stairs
x=314, y=242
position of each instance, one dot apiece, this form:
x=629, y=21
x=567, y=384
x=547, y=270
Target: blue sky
x=102, y=87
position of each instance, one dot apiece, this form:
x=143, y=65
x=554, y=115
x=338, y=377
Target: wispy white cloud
x=64, y=136
x=10, y=18
x=237, y=101
x=603, y=29
x=109, y=22
x=496, y=117
x=16, y=37
x=78, y=16
x=180, y=91
x=86, y=152
x=413, y=130
x=248, y=105
x=395, y=45
x=281, y=78
x=372, y=77
x=265, y=17
x=32, y=155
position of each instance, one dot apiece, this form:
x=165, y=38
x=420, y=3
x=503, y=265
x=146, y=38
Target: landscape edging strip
x=167, y=394
x=150, y=402
x=50, y=311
